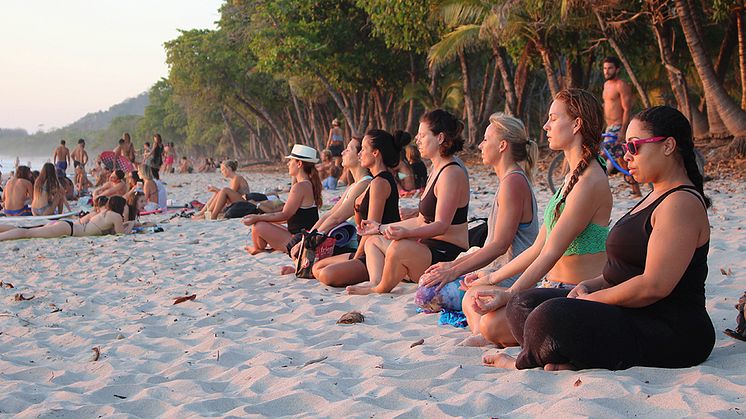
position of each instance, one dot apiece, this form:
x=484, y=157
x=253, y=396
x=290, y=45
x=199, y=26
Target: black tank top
x=390, y=207
x=429, y=202
x=627, y=249
x=303, y=219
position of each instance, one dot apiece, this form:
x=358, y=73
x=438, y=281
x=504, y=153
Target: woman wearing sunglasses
x=648, y=306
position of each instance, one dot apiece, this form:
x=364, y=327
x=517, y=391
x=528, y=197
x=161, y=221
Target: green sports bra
x=591, y=240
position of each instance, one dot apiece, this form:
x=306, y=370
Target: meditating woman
x=513, y=223
x=439, y=234
x=571, y=245
x=94, y=224
x=49, y=195
x=221, y=198
x=301, y=211
x=379, y=203
x=648, y=306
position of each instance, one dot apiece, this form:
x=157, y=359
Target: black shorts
x=441, y=251
x=336, y=149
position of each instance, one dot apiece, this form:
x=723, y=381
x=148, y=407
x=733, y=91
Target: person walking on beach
x=18, y=192
x=617, y=109
x=61, y=156
x=79, y=155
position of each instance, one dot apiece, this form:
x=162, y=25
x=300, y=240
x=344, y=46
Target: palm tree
x=716, y=96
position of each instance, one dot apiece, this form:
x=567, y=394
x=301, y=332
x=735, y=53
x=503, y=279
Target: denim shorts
x=545, y=283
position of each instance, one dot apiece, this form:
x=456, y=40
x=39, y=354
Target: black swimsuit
x=674, y=332
x=303, y=219
x=390, y=207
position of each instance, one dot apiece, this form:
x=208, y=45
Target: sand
x=254, y=343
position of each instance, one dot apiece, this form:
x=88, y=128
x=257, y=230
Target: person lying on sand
x=648, y=306
x=94, y=224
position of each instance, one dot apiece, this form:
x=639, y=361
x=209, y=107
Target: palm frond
x=462, y=12
x=463, y=38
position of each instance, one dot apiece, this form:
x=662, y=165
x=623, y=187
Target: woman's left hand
x=369, y=228
x=250, y=219
x=489, y=300
x=395, y=232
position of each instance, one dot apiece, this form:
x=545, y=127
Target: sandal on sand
x=740, y=332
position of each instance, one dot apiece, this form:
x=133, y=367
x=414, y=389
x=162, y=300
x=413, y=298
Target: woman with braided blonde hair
x=571, y=245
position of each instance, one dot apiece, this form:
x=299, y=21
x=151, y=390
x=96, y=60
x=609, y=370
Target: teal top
x=591, y=240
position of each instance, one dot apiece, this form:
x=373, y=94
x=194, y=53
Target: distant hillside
x=102, y=129
x=102, y=119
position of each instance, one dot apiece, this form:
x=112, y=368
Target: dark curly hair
x=442, y=121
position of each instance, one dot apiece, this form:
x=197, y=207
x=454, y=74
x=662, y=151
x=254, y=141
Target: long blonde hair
x=524, y=150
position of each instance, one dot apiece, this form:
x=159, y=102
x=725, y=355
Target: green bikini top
x=591, y=240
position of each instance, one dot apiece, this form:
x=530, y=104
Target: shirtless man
x=617, y=109
x=61, y=156
x=18, y=192
x=79, y=155
x=115, y=186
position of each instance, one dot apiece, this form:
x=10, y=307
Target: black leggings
x=441, y=251
x=555, y=330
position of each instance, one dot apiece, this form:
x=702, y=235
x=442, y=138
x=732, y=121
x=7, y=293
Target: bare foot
x=359, y=290
x=559, y=367
x=474, y=341
x=198, y=216
x=499, y=361
x=253, y=250
x=287, y=270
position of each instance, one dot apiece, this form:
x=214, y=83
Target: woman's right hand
x=580, y=290
x=438, y=275
x=369, y=228
x=211, y=188
x=472, y=279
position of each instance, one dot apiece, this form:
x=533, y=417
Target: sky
x=62, y=59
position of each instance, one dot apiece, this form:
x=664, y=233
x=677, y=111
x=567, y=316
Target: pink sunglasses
x=632, y=146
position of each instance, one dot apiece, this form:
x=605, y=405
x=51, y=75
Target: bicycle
x=558, y=169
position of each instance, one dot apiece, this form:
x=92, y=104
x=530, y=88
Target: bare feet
x=253, y=250
x=359, y=290
x=559, y=367
x=475, y=341
x=287, y=270
x=499, y=361
x=198, y=216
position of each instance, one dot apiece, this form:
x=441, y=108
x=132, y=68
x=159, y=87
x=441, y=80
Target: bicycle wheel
x=558, y=169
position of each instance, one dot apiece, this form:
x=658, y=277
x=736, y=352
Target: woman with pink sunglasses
x=648, y=306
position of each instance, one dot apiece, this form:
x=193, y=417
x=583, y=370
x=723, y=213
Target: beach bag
x=478, y=233
x=240, y=208
x=314, y=246
x=269, y=206
x=255, y=196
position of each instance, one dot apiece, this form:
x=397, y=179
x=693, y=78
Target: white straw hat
x=303, y=153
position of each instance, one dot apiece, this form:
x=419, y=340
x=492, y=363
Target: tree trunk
x=715, y=94
x=742, y=54
x=262, y=113
x=413, y=80
x=340, y=104
x=249, y=126
x=483, y=88
x=546, y=61
x=521, y=77
x=234, y=143
x=468, y=103
x=489, y=107
x=303, y=125
x=623, y=58
x=730, y=40
x=501, y=61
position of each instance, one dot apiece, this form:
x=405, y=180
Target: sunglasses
x=633, y=146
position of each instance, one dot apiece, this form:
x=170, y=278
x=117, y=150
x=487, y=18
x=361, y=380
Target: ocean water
x=7, y=163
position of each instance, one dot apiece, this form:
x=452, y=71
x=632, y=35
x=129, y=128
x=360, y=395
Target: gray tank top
x=524, y=236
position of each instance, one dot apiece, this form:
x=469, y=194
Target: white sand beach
x=254, y=343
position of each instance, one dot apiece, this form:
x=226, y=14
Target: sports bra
x=591, y=240
x=429, y=202
x=390, y=207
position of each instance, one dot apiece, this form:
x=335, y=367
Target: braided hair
x=582, y=104
x=665, y=121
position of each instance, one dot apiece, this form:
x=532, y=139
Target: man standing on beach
x=79, y=155
x=61, y=156
x=617, y=109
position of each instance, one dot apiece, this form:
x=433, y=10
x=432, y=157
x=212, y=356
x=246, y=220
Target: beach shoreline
x=254, y=343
